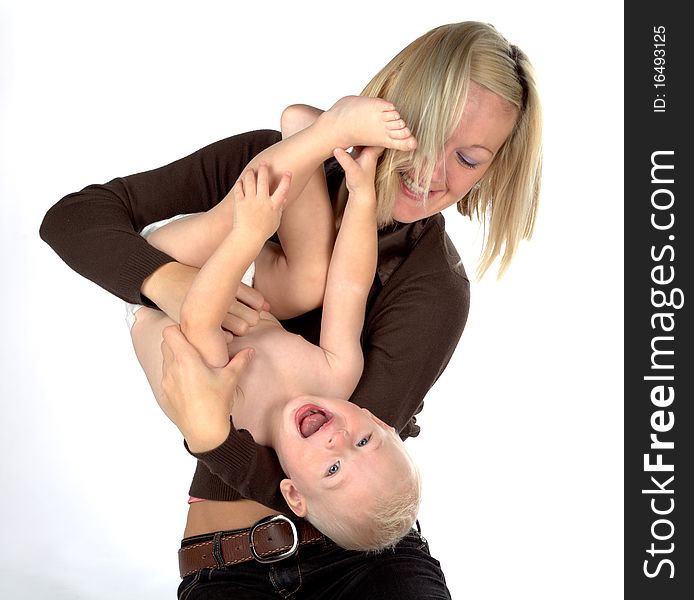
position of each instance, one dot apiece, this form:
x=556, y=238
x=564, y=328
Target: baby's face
x=328, y=445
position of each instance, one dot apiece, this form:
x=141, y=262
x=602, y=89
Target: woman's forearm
x=192, y=239
x=168, y=285
x=95, y=230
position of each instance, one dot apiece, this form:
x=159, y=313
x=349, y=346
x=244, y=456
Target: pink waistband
x=193, y=499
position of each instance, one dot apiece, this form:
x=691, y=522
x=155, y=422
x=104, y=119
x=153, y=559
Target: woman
x=470, y=100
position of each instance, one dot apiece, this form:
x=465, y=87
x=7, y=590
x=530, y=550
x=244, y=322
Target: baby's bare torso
x=285, y=366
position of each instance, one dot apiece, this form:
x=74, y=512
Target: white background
x=521, y=444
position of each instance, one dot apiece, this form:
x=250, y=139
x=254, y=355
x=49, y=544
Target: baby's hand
x=255, y=209
x=360, y=172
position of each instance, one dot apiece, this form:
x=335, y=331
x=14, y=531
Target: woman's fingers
x=236, y=325
x=195, y=397
x=236, y=365
x=244, y=312
x=251, y=297
x=174, y=343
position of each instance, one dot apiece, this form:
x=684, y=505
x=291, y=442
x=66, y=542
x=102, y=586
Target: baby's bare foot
x=362, y=121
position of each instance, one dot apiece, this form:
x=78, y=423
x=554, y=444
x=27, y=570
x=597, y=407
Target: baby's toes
x=390, y=115
x=400, y=133
x=395, y=125
x=402, y=139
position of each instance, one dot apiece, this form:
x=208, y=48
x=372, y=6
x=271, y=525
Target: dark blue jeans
x=327, y=572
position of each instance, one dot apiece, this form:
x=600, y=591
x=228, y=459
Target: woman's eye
x=466, y=162
x=363, y=441
x=334, y=468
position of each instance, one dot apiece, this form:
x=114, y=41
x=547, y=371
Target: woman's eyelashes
x=466, y=161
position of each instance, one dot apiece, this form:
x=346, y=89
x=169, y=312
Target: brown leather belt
x=269, y=540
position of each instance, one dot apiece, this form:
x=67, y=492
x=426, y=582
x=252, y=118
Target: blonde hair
x=428, y=83
x=376, y=524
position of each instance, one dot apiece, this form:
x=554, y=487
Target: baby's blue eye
x=334, y=468
x=467, y=162
x=363, y=441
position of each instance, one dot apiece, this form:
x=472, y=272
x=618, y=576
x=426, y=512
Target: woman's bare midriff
x=210, y=516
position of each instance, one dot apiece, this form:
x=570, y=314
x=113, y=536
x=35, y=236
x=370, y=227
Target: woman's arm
x=189, y=239
x=96, y=230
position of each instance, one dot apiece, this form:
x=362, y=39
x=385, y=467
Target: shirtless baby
x=347, y=471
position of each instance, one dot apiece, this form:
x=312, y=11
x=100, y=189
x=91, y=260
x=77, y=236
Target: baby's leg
x=292, y=277
x=146, y=337
x=363, y=121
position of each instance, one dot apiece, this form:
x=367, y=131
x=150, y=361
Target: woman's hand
x=197, y=398
x=168, y=286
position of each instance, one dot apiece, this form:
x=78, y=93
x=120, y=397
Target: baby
x=348, y=472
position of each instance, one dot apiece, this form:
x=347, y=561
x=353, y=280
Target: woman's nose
x=437, y=174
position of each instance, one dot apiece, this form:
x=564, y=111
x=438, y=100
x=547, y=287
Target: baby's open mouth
x=310, y=418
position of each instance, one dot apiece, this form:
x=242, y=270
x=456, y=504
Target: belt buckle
x=281, y=555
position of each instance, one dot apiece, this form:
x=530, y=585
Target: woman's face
x=487, y=121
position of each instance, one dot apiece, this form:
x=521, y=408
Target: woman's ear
x=295, y=499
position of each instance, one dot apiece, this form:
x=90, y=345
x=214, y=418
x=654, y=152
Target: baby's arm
x=256, y=216
x=351, y=272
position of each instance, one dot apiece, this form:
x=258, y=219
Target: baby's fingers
x=346, y=161
x=262, y=181
x=371, y=153
x=249, y=187
x=279, y=197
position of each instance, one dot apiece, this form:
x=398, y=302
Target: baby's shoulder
x=278, y=344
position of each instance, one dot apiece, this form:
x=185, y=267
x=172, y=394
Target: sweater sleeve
x=96, y=230
x=253, y=471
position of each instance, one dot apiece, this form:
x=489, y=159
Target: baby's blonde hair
x=428, y=83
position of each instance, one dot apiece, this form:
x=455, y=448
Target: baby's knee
x=313, y=288
x=297, y=117
x=303, y=293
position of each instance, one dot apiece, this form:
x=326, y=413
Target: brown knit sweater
x=415, y=313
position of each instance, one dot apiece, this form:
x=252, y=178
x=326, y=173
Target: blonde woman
x=470, y=100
